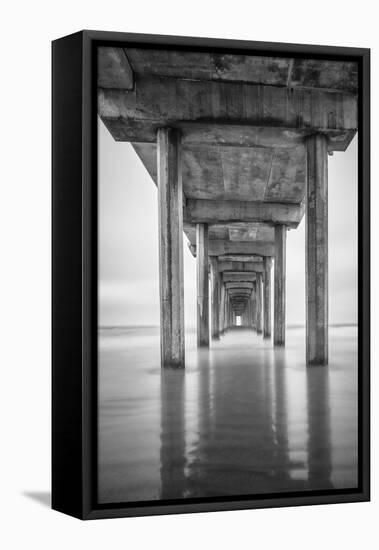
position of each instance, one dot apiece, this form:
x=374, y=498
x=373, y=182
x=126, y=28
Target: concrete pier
x=251, y=167
x=202, y=270
x=317, y=251
x=280, y=286
x=170, y=200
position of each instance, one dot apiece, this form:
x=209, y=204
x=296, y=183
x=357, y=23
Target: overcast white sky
x=128, y=243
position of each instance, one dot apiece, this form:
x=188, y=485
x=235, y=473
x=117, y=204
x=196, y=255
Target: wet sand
x=241, y=419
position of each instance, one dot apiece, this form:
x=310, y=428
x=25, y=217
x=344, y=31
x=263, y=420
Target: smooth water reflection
x=242, y=418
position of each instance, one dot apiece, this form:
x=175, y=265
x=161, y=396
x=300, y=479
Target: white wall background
x=27, y=29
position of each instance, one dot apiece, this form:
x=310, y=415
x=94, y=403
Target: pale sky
x=128, y=243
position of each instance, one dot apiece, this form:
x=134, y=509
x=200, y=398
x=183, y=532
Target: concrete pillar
x=222, y=307
x=219, y=284
x=202, y=284
x=280, y=286
x=267, y=297
x=317, y=251
x=215, y=298
x=170, y=202
x=259, y=301
x=226, y=318
x=251, y=302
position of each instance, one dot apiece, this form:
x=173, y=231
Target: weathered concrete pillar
x=267, y=297
x=170, y=202
x=219, y=283
x=251, y=302
x=259, y=301
x=248, y=313
x=226, y=311
x=280, y=286
x=202, y=284
x=222, y=307
x=317, y=251
x=254, y=305
x=215, y=298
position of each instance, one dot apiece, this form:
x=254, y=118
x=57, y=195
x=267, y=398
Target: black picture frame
x=74, y=274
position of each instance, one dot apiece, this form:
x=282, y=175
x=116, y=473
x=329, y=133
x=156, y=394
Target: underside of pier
x=238, y=146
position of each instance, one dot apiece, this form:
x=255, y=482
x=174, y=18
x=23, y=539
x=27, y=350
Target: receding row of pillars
x=253, y=303
x=170, y=199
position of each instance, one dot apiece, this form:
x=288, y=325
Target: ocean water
x=242, y=418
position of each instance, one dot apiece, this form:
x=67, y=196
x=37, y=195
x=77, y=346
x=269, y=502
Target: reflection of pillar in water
x=280, y=415
x=200, y=465
x=319, y=436
x=173, y=458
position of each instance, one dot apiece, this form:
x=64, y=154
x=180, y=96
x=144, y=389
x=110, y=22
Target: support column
x=202, y=284
x=259, y=301
x=267, y=297
x=280, y=286
x=317, y=251
x=170, y=202
x=230, y=315
x=215, y=297
x=251, y=300
x=222, y=307
x=226, y=319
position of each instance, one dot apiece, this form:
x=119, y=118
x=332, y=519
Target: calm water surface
x=240, y=419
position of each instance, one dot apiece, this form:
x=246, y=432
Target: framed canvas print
x=210, y=274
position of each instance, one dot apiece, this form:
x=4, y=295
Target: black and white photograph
x=189, y=220
x=227, y=292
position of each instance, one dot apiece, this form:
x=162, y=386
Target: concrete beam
x=230, y=267
x=238, y=276
x=240, y=258
x=218, y=211
x=317, y=251
x=238, y=284
x=238, y=292
x=170, y=248
x=228, y=135
x=250, y=274
x=165, y=100
x=114, y=71
x=202, y=285
x=219, y=247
